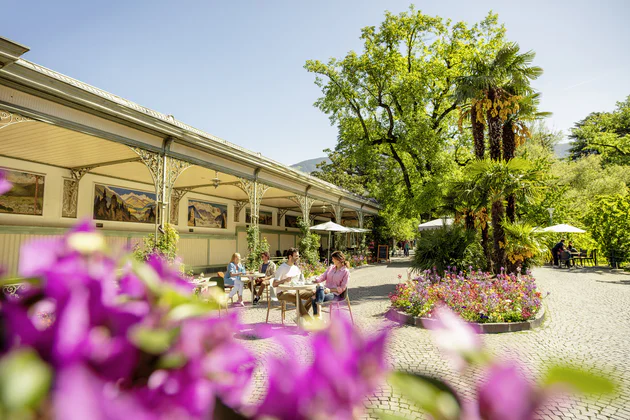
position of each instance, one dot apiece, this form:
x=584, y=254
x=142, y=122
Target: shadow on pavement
x=262, y=330
x=368, y=293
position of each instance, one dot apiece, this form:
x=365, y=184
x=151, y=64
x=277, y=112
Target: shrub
x=309, y=243
x=609, y=225
x=476, y=297
x=165, y=246
x=524, y=245
x=255, y=248
x=448, y=246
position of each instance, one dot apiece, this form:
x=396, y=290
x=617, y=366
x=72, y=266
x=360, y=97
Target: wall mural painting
x=264, y=217
x=205, y=214
x=26, y=196
x=116, y=204
x=290, y=221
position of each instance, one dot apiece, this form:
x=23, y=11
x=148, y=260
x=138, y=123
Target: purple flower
x=346, y=368
x=506, y=394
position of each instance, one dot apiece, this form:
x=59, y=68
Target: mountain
x=310, y=165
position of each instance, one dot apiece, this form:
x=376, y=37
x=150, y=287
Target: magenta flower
x=346, y=368
x=506, y=394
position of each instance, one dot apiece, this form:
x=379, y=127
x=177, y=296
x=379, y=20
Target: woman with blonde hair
x=234, y=271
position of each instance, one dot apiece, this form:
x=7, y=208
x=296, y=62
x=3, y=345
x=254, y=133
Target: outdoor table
x=297, y=288
x=576, y=256
x=252, y=277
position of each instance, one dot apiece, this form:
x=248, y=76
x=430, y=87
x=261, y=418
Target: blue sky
x=235, y=68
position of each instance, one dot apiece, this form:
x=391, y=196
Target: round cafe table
x=297, y=288
x=252, y=277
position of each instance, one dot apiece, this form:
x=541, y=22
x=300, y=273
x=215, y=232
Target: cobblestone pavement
x=587, y=324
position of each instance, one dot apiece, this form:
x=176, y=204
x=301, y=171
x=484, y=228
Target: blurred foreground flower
x=119, y=339
x=504, y=393
x=346, y=368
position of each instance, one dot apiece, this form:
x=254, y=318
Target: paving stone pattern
x=587, y=324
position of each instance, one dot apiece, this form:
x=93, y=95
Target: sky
x=235, y=68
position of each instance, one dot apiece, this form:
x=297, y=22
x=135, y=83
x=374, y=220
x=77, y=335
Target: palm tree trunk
x=478, y=133
x=485, y=241
x=498, y=236
x=509, y=151
x=494, y=129
x=509, y=142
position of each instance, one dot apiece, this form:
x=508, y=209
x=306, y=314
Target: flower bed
x=476, y=297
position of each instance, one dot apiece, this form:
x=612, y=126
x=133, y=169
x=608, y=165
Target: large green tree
x=605, y=133
x=395, y=107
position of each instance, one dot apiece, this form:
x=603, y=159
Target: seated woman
x=234, y=271
x=336, y=278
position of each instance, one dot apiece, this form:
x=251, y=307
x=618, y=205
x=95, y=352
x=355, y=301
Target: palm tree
x=491, y=83
x=490, y=181
x=514, y=131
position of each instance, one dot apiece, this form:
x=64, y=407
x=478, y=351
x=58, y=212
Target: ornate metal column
x=255, y=191
x=281, y=214
x=164, y=171
x=338, y=212
x=8, y=118
x=238, y=207
x=70, y=197
x=305, y=203
x=176, y=198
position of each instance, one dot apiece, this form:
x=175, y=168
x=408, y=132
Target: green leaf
x=24, y=380
x=429, y=394
x=172, y=361
x=189, y=310
x=152, y=341
x=579, y=380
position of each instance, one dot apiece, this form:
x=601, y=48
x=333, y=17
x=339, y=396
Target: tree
x=394, y=105
x=488, y=182
x=495, y=84
x=609, y=224
x=605, y=133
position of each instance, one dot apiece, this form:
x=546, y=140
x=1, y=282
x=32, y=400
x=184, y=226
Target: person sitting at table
x=566, y=257
x=336, y=278
x=268, y=268
x=234, y=271
x=571, y=248
x=284, y=274
x=555, y=251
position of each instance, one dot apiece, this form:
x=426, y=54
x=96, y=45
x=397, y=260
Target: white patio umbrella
x=563, y=228
x=435, y=224
x=329, y=227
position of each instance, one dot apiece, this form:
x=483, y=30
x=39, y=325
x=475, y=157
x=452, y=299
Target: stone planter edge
x=488, y=328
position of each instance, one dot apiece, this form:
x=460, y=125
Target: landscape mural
x=118, y=204
x=206, y=214
x=26, y=196
x=264, y=217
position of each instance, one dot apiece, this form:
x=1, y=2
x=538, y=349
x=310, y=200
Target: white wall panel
x=221, y=250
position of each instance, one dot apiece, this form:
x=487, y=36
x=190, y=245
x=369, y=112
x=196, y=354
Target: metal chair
x=337, y=305
x=226, y=287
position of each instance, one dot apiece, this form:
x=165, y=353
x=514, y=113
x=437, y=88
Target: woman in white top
x=235, y=269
